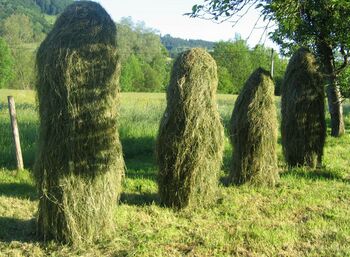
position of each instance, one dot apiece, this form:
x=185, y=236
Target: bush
x=79, y=164
x=254, y=132
x=303, y=111
x=6, y=64
x=190, y=140
x=344, y=82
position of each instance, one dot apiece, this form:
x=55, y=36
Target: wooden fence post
x=272, y=63
x=15, y=133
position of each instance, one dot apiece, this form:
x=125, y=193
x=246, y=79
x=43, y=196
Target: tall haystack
x=254, y=132
x=79, y=164
x=303, y=116
x=190, y=140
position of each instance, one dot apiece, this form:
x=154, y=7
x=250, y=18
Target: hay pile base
x=254, y=132
x=190, y=140
x=79, y=164
x=303, y=111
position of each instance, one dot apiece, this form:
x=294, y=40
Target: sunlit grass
x=307, y=214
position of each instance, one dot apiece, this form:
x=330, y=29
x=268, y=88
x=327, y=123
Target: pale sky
x=166, y=16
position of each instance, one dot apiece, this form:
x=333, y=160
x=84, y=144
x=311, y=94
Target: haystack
x=79, y=164
x=254, y=132
x=303, y=111
x=190, y=140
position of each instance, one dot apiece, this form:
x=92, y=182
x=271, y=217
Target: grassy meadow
x=307, y=214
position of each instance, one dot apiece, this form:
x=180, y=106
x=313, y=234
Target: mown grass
x=307, y=214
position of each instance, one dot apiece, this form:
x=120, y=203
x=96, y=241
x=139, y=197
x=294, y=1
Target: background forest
x=146, y=56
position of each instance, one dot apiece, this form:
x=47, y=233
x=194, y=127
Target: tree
x=261, y=57
x=17, y=29
x=344, y=82
x=132, y=77
x=236, y=61
x=28, y=8
x=6, y=64
x=145, y=64
x=320, y=25
x=225, y=84
x=53, y=7
x=235, y=58
x=18, y=32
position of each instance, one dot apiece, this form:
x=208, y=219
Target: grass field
x=307, y=214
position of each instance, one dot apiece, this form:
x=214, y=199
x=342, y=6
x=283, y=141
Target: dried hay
x=254, y=132
x=303, y=111
x=79, y=164
x=190, y=140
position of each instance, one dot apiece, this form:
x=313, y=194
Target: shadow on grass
x=139, y=156
x=227, y=161
x=318, y=174
x=140, y=161
x=138, y=146
x=17, y=230
x=139, y=199
x=226, y=167
x=22, y=191
x=225, y=181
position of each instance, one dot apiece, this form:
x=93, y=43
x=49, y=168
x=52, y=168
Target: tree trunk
x=334, y=97
x=335, y=107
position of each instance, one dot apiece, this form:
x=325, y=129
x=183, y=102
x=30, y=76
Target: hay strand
x=190, y=139
x=79, y=163
x=253, y=132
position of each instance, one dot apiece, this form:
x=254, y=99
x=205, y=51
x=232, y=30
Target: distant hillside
x=177, y=45
x=34, y=9
x=53, y=7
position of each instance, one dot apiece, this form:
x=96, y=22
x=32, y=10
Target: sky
x=166, y=16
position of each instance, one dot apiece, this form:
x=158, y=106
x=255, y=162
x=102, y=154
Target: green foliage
x=253, y=132
x=344, y=82
x=79, y=164
x=261, y=57
x=319, y=25
x=28, y=8
x=190, y=139
x=23, y=25
x=6, y=64
x=141, y=47
x=34, y=9
x=303, y=125
x=225, y=80
x=24, y=70
x=234, y=56
x=132, y=77
x=152, y=81
x=316, y=24
x=236, y=60
x=310, y=22
x=53, y=7
x=280, y=66
x=17, y=29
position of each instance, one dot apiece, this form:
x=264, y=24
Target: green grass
x=307, y=214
